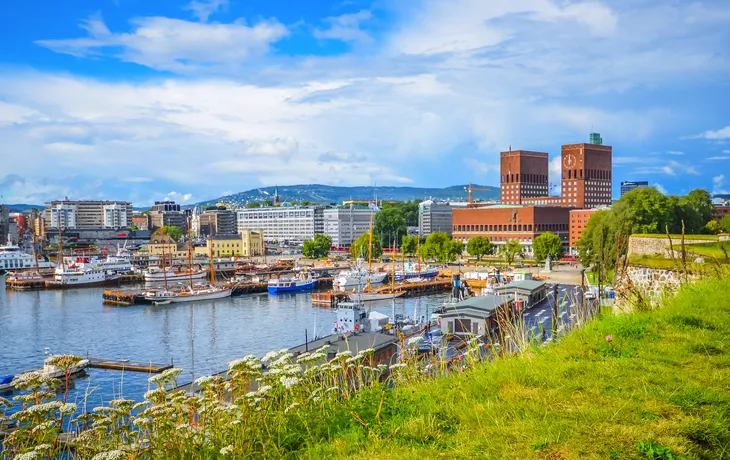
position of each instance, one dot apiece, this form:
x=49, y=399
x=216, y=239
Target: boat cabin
x=475, y=316
x=527, y=293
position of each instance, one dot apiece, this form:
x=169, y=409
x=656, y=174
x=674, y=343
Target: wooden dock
x=127, y=365
x=248, y=288
x=328, y=299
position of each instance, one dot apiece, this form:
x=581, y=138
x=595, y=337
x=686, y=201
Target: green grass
x=660, y=389
x=713, y=250
x=593, y=277
x=678, y=238
x=658, y=261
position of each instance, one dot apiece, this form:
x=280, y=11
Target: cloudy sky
x=141, y=100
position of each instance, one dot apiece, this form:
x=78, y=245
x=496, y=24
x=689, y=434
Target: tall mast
x=392, y=284
x=60, y=242
x=418, y=250
x=190, y=262
x=370, y=252
x=210, y=253
x=35, y=253
x=164, y=269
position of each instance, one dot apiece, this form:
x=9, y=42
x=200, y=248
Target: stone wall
x=652, y=283
x=645, y=246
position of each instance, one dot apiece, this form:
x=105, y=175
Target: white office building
x=63, y=213
x=345, y=225
x=115, y=215
x=434, y=216
x=282, y=224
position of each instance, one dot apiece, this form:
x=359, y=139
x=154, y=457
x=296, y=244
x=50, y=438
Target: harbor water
x=200, y=337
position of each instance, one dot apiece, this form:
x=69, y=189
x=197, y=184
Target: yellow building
x=250, y=243
x=160, y=244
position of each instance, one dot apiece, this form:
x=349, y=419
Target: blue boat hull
x=399, y=277
x=301, y=287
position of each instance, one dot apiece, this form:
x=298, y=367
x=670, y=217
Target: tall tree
x=713, y=227
x=173, y=232
x=253, y=204
x=479, y=246
x=510, y=250
x=440, y=247
x=725, y=224
x=318, y=247
x=696, y=211
x=361, y=247
x=409, y=245
x=390, y=224
x=547, y=244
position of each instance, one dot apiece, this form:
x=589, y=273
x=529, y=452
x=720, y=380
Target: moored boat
x=156, y=274
x=76, y=276
x=300, y=283
x=185, y=293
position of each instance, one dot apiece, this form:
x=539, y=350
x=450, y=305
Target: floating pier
x=127, y=365
x=248, y=288
x=328, y=299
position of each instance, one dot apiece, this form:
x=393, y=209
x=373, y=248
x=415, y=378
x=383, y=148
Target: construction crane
x=470, y=189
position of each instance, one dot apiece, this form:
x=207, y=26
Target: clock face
x=569, y=160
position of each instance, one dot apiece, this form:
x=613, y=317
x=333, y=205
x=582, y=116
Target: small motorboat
x=6, y=382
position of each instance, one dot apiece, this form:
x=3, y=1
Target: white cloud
x=203, y=9
x=717, y=185
x=718, y=158
x=660, y=187
x=674, y=152
x=479, y=167
x=346, y=28
x=555, y=168
x=179, y=197
x=137, y=179
x=173, y=44
x=720, y=134
x=672, y=168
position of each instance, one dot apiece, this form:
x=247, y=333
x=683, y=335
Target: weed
x=654, y=451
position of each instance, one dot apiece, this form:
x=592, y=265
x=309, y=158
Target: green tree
x=725, y=224
x=133, y=227
x=361, y=247
x=696, y=210
x=713, y=227
x=267, y=203
x=253, y=204
x=409, y=245
x=547, y=244
x=407, y=209
x=479, y=246
x=589, y=244
x=318, y=247
x=510, y=250
x=440, y=247
x=389, y=224
x=173, y=232
x=643, y=210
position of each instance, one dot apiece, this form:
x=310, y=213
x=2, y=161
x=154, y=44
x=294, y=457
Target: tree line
x=643, y=210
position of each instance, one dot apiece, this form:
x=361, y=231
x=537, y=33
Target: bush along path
x=650, y=385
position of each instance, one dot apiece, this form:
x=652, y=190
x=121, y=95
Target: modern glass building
x=629, y=186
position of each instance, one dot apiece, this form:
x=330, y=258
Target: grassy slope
x=677, y=239
x=665, y=378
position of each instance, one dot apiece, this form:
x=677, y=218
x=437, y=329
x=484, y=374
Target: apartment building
x=345, y=224
x=283, y=224
x=434, y=216
x=88, y=214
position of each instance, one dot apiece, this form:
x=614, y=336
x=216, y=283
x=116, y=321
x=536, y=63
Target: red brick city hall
x=527, y=210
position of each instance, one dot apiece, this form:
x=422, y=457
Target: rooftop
x=353, y=342
x=486, y=303
x=527, y=285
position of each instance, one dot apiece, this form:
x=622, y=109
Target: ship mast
x=190, y=263
x=210, y=253
x=418, y=250
x=164, y=269
x=35, y=253
x=370, y=252
x=60, y=242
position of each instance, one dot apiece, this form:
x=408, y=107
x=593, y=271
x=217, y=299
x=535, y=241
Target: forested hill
x=317, y=193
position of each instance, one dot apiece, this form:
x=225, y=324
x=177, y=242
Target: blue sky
x=140, y=100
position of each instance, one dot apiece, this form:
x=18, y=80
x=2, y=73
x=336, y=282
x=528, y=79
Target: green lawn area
x=658, y=261
x=709, y=249
x=678, y=238
x=592, y=278
x=659, y=390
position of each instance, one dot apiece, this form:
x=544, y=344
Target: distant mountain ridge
x=318, y=193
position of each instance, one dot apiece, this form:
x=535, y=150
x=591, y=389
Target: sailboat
x=190, y=292
x=375, y=296
x=416, y=273
x=359, y=273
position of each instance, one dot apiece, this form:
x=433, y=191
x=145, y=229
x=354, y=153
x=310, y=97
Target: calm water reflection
x=200, y=337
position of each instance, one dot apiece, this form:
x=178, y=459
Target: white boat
x=183, y=293
x=81, y=275
x=375, y=296
x=7, y=382
x=155, y=274
x=413, y=271
x=13, y=258
x=360, y=275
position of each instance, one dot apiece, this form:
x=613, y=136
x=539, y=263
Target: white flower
x=68, y=408
x=227, y=450
x=43, y=447
x=286, y=411
x=269, y=356
x=32, y=455
x=142, y=421
x=343, y=354
x=398, y=366
x=413, y=341
x=200, y=381
x=289, y=382
x=264, y=389
x=111, y=455
x=283, y=350
x=250, y=394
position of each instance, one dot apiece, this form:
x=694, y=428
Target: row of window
x=510, y=228
x=529, y=178
x=590, y=174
